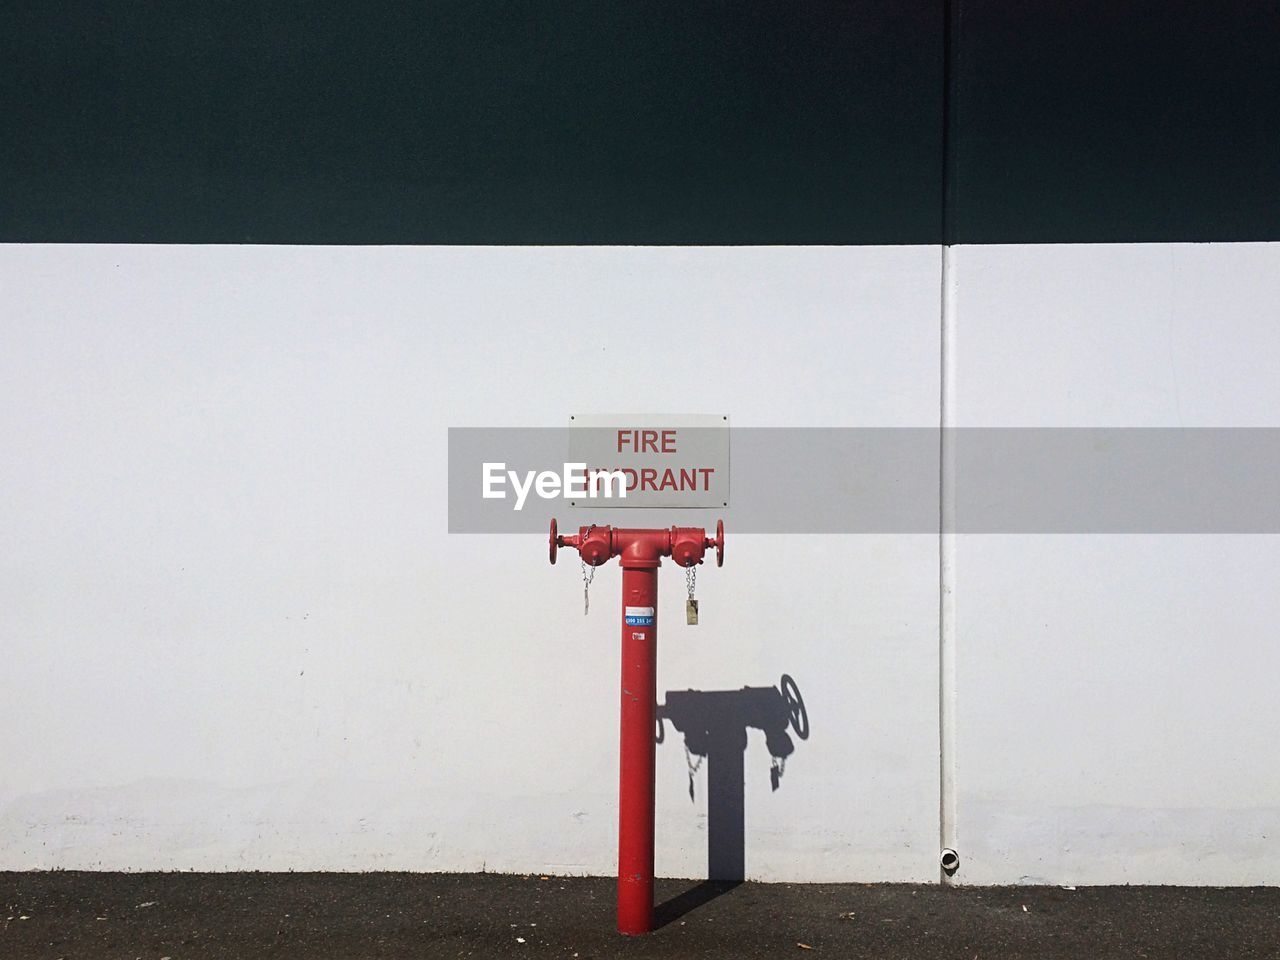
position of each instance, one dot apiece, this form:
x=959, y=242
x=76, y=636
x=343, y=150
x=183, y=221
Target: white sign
x=668, y=460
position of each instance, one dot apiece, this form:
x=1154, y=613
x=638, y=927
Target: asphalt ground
x=351, y=915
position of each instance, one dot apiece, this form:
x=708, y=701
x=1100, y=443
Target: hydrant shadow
x=715, y=724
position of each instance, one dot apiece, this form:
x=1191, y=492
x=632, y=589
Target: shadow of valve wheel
x=797, y=714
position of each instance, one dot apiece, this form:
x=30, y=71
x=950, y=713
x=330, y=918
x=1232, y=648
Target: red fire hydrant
x=641, y=553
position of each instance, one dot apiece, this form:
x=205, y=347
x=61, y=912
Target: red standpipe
x=640, y=553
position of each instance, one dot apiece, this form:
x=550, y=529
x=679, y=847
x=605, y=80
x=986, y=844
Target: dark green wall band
x=642, y=122
x=1098, y=120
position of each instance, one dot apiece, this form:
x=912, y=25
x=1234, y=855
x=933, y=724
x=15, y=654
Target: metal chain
x=693, y=768
x=690, y=579
x=588, y=574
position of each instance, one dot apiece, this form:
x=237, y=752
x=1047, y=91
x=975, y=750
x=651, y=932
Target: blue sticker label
x=638, y=616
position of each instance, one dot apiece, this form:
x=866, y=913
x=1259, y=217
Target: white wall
x=237, y=635
x=1116, y=719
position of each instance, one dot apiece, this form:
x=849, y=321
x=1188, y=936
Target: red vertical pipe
x=635, y=796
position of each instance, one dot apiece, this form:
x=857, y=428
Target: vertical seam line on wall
x=947, y=570
x=946, y=454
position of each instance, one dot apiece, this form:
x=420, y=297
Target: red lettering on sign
x=647, y=441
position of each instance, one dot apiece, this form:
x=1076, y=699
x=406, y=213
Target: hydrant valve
x=640, y=553
x=639, y=548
